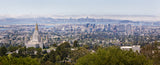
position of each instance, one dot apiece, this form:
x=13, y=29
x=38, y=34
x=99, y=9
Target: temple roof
x=36, y=35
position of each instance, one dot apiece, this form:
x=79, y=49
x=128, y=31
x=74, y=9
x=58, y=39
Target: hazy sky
x=80, y=7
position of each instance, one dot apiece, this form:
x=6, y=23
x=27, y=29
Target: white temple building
x=35, y=41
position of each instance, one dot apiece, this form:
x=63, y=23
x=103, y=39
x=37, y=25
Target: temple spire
x=36, y=28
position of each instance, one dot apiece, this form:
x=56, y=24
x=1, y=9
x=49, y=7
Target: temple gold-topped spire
x=35, y=40
x=36, y=28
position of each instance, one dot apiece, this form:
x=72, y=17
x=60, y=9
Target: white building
x=35, y=40
x=134, y=48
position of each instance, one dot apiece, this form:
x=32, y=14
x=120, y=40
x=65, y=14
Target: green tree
x=52, y=56
x=45, y=58
x=147, y=50
x=78, y=53
x=75, y=44
x=30, y=50
x=8, y=60
x=156, y=59
x=22, y=52
x=3, y=51
x=39, y=52
x=86, y=46
x=113, y=56
x=16, y=55
x=58, y=58
x=54, y=45
x=151, y=52
x=12, y=48
x=63, y=50
x=48, y=63
x=96, y=46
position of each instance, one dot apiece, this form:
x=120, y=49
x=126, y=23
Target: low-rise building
x=135, y=48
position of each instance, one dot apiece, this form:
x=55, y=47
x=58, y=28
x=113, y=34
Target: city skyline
x=79, y=32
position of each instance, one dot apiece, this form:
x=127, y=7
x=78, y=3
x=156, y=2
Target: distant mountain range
x=145, y=18
x=78, y=19
x=44, y=19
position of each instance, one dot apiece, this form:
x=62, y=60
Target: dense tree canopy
x=22, y=52
x=8, y=60
x=78, y=53
x=30, y=50
x=63, y=50
x=63, y=55
x=113, y=56
x=152, y=52
x=12, y=48
x=3, y=51
x=52, y=56
x=75, y=44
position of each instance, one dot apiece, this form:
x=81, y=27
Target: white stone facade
x=35, y=41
